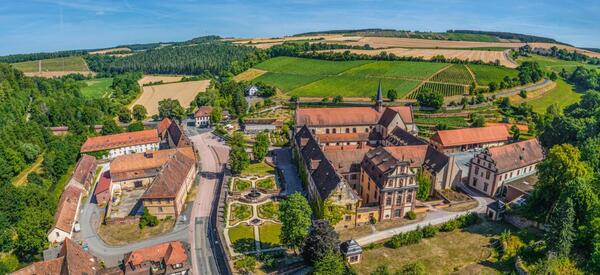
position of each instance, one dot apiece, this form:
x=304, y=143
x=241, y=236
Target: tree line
x=13, y=58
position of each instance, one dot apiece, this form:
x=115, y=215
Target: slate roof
x=99, y=143
x=516, y=155
x=350, y=248
x=176, y=134
x=399, y=137
x=458, y=137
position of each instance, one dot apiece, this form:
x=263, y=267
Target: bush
x=429, y=231
x=411, y=215
x=403, y=239
x=148, y=219
x=467, y=220
x=449, y=226
x=523, y=93
x=412, y=269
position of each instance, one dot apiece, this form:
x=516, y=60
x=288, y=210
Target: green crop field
x=486, y=74
x=287, y=82
x=445, y=89
x=352, y=86
x=396, y=69
x=72, y=63
x=305, y=66
x=319, y=78
x=554, y=64
x=563, y=95
x=458, y=74
x=96, y=88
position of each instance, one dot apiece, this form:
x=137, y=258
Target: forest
x=194, y=58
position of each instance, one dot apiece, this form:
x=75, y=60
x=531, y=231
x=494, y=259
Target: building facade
x=494, y=168
x=111, y=146
x=202, y=116
x=458, y=140
x=66, y=214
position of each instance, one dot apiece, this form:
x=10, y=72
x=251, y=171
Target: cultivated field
x=97, y=87
x=156, y=78
x=185, y=92
x=485, y=56
x=105, y=51
x=54, y=67
x=319, y=78
x=485, y=74
x=249, y=74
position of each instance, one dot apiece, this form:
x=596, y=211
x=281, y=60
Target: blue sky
x=50, y=25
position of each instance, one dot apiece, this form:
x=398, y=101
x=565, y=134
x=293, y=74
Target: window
x=397, y=213
x=353, y=176
x=347, y=130
x=160, y=209
x=348, y=206
x=487, y=175
x=334, y=130
x=399, y=200
x=313, y=131
x=348, y=218
x=353, y=130
x=485, y=186
x=327, y=131
x=476, y=170
x=388, y=201
x=474, y=182
x=137, y=184
x=409, y=197
x=354, y=259
x=366, y=130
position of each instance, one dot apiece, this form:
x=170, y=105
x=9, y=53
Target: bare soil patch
x=185, y=92
x=485, y=56
x=155, y=78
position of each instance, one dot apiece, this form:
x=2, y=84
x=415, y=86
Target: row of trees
x=291, y=48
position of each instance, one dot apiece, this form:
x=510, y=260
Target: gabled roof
x=84, y=168
x=171, y=253
x=163, y=125
x=347, y=116
x=399, y=137
x=458, y=137
x=99, y=143
x=203, y=111
x=66, y=212
x=140, y=165
x=516, y=155
x=373, y=135
x=345, y=161
x=103, y=183
x=71, y=260
x=177, y=136
x=171, y=178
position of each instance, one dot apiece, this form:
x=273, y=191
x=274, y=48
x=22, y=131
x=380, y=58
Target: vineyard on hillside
x=445, y=89
x=458, y=74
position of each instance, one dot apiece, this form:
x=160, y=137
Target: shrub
x=148, y=219
x=467, y=220
x=407, y=238
x=449, y=226
x=523, y=93
x=411, y=215
x=429, y=231
x=416, y=268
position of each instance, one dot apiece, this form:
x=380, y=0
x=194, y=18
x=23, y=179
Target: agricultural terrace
x=319, y=78
x=72, y=63
x=96, y=88
x=185, y=92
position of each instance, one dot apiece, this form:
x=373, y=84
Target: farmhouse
x=452, y=141
x=71, y=259
x=497, y=167
x=356, y=126
x=202, y=116
x=66, y=213
x=165, y=258
x=111, y=146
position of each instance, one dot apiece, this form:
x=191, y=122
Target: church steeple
x=379, y=98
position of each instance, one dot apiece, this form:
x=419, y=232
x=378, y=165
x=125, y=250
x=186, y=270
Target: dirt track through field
x=185, y=92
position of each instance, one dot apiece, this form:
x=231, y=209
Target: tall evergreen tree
x=560, y=235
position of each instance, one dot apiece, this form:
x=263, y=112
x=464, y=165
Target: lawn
x=242, y=238
x=484, y=74
x=563, y=95
x=462, y=251
x=96, y=88
x=269, y=234
x=351, y=86
x=260, y=169
x=121, y=234
x=396, y=69
x=71, y=63
x=287, y=82
x=269, y=210
x=555, y=64
x=305, y=66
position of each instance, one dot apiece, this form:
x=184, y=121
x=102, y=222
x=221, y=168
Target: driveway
x=288, y=168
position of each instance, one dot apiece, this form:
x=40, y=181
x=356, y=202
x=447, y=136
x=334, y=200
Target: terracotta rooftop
x=343, y=137
x=66, y=211
x=345, y=161
x=72, y=259
x=171, y=253
x=84, y=170
x=522, y=127
x=103, y=183
x=141, y=165
x=203, y=111
x=171, y=178
x=350, y=116
x=458, y=137
x=108, y=142
x=516, y=155
x=163, y=125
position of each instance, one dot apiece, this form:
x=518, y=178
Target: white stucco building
x=111, y=146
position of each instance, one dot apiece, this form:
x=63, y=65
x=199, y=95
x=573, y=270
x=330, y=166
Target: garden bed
x=240, y=185
x=239, y=212
x=269, y=235
x=268, y=184
x=269, y=210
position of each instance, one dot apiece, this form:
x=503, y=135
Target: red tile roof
x=163, y=125
x=67, y=208
x=516, y=155
x=171, y=178
x=100, y=143
x=203, y=111
x=72, y=259
x=343, y=137
x=458, y=137
x=141, y=165
x=347, y=116
x=103, y=183
x=415, y=154
x=84, y=170
x=171, y=253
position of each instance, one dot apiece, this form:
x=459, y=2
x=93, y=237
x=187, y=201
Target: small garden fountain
x=253, y=195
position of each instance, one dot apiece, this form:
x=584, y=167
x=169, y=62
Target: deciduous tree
x=295, y=215
x=321, y=239
x=139, y=112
